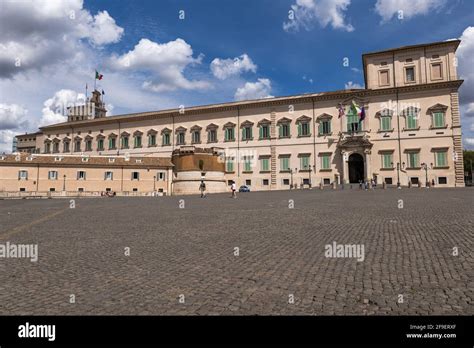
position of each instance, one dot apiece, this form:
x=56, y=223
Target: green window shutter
x=326, y=162
x=226, y=134
x=320, y=128
x=299, y=129
x=284, y=163
x=264, y=164
x=260, y=132
x=438, y=119
x=441, y=159
x=304, y=162
x=280, y=130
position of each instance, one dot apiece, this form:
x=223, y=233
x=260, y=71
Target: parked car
x=244, y=188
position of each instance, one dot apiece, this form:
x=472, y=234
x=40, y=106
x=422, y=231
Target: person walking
x=202, y=188
x=233, y=187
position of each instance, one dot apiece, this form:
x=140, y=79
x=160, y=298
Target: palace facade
x=411, y=133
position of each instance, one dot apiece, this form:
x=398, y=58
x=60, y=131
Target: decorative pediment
x=437, y=107
x=410, y=109
x=180, y=129
x=77, y=138
x=100, y=136
x=284, y=120
x=384, y=112
x=88, y=137
x=112, y=135
x=137, y=133
x=264, y=121
x=196, y=128
x=56, y=140
x=165, y=130
x=151, y=132
x=229, y=125
x=125, y=134
x=303, y=119
x=246, y=123
x=323, y=117
x=355, y=142
x=66, y=139
x=362, y=102
x=212, y=126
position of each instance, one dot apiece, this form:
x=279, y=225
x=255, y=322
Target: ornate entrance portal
x=356, y=168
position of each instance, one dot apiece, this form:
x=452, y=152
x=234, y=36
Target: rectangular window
x=247, y=163
x=353, y=124
x=442, y=180
x=23, y=175
x=413, y=160
x=286, y=182
x=326, y=161
x=56, y=147
x=124, y=142
x=47, y=148
x=161, y=176
x=196, y=135
x=247, y=133
x=112, y=143
x=100, y=144
x=264, y=131
x=303, y=129
x=265, y=182
x=230, y=164
x=438, y=119
x=77, y=146
x=135, y=176
x=248, y=182
x=229, y=134
x=66, y=146
x=137, y=141
x=436, y=72
x=180, y=138
x=410, y=74
x=384, y=78
x=325, y=127
x=166, y=139
x=304, y=162
x=284, y=130
x=81, y=175
x=388, y=181
x=387, y=160
x=53, y=175
x=152, y=140
x=285, y=164
x=89, y=145
x=109, y=176
x=414, y=180
x=265, y=164
x=212, y=136
x=385, y=123
x=441, y=158
x=412, y=120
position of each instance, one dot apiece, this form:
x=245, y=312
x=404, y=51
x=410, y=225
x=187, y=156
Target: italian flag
x=98, y=76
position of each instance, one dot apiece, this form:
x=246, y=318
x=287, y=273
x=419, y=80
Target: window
x=161, y=176
x=23, y=175
x=442, y=180
x=327, y=181
x=264, y=131
x=180, y=138
x=265, y=164
x=55, y=147
x=285, y=164
x=436, y=72
x=135, y=176
x=52, y=189
x=196, y=137
x=411, y=119
x=303, y=129
x=414, y=180
x=413, y=160
x=80, y=189
x=229, y=167
x=229, y=134
x=152, y=140
x=304, y=162
x=247, y=133
x=88, y=145
x=166, y=139
x=286, y=182
x=66, y=146
x=212, y=136
x=438, y=119
x=77, y=146
x=387, y=160
x=112, y=143
x=81, y=175
x=353, y=124
x=305, y=181
x=410, y=74
x=135, y=189
x=248, y=182
x=441, y=158
x=248, y=163
x=100, y=145
x=384, y=78
x=265, y=182
x=325, y=127
x=47, y=147
x=385, y=123
x=326, y=161
x=389, y=181
x=108, y=176
x=125, y=142
x=53, y=175
x=284, y=130
x=137, y=141
x=22, y=189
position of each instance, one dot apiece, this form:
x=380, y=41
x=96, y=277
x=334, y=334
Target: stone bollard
x=419, y=184
x=320, y=185
x=334, y=186
x=384, y=185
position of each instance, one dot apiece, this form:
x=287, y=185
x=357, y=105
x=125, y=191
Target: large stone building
x=411, y=133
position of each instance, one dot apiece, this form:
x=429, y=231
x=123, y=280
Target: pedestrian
x=433, y=182
x=233, y=187
x=202, y=188
x=360, y=184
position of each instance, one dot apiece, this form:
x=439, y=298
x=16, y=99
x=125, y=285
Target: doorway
x=356, y=168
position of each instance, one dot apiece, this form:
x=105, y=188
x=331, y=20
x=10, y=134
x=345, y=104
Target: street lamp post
x=398, y=175
x=291, y=175
x=64, y=182
x=154, y=183
x=309, y=183
x=425, y=167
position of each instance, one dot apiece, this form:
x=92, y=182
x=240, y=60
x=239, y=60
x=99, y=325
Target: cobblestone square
x=183, y=254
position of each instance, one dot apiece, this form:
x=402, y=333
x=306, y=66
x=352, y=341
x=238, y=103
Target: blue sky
x=151, y=59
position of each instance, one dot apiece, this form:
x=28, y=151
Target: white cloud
x=324, y=12
x=40, y=33
x=469, y=143
x=254, y=90
x=166, y=62
x=465, y=68
x=224, y=68
x=6, y=140
x=12, y=116
x=410, y=8
x=352, y=85
x=55, y=108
